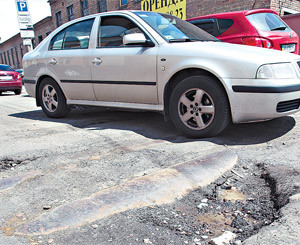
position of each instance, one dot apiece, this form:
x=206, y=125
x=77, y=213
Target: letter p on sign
x=22, y=6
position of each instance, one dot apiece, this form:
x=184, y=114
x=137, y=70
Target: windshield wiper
x=279, y=28
x=180, y=40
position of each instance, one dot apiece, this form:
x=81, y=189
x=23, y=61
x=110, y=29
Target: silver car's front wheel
x=52, y=99
x=196, y=109
x=199, y=107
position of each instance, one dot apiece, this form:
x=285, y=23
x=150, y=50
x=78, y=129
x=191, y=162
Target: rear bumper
x=10, y=86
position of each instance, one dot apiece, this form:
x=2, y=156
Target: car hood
x=238, y=52
x=226, y=59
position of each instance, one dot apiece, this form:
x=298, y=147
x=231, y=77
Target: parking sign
x=24, y=19
x=22, y=6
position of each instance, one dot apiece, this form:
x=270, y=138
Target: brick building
x=12, y=50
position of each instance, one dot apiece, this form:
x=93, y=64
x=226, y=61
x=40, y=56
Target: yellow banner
x=173, y=7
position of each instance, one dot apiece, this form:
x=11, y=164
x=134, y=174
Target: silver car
x=151, y=61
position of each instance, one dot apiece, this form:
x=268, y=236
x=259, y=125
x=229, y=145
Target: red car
x=259, y=27
x=10, y=80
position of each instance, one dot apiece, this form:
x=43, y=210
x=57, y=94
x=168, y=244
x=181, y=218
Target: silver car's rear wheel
x=52, y=99
x=49, y=98
x=199, y=107
x=196, y=109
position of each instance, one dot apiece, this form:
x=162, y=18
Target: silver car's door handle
x=97, y=61
x=53, y=61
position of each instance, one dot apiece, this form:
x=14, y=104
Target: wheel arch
x=179, y=76
x=37, y=88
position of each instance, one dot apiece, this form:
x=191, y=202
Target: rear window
x=215, y=27
x=267, y=22
x=6, y=68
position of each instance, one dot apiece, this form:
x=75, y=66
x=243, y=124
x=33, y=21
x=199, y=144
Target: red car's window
x=5, y=68
x=267, y=22
x=224, y=25
x=213, y=26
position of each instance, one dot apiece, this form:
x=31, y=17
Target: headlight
x=281, y=70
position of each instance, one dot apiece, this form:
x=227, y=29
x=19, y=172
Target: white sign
x=27, y=34
x=24, y=19
x=27, y=42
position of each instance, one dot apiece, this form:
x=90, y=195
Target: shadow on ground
x=152, y=125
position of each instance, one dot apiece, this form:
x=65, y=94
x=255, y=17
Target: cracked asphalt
x=104, y=176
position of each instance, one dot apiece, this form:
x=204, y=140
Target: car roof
x=227, y=14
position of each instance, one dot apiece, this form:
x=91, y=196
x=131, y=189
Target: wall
x=293, y=21
x=205, y=7
x=280, y=5
x=42, y=29
x=12, y=51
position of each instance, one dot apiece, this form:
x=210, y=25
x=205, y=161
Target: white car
x=151, y=61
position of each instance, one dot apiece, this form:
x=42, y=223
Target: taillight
x=253, y=41
x=258, y=42
x=17, y=76
x=267, y=43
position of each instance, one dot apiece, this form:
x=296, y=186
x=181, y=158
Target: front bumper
x=258, y=100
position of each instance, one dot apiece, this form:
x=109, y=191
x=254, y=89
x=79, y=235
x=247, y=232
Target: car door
x=123, y=73
x=68, y=58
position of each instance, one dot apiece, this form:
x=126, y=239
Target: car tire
x=17, y=91
x=52, y=99
x=199, y=107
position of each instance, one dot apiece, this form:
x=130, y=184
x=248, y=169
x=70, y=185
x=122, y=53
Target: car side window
x=224, y=25
x=57, y=41
x=208, y=25
x=76, y=36
x=112, y=30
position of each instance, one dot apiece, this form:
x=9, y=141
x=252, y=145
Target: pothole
x=242, y=201
x=8, y=163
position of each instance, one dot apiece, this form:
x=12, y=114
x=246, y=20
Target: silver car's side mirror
x=136, y=39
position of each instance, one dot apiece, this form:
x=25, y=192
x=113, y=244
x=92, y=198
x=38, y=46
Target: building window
x=84, y=7
x=287, y=11
x=123, y=2
x=21, y=50
x=2, y=61
x=58, y=18
x=17, y=57
x=4, y=57
x=70, y=12
x=102, y=6
x=12, y=56
x=40, y=38
x=8, y=57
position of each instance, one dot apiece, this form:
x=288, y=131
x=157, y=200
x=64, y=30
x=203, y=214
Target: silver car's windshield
x=173, y=29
